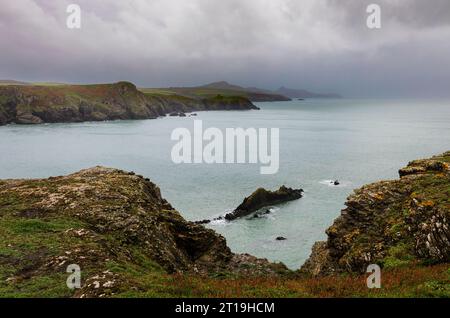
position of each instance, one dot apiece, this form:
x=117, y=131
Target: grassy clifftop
x=219, y=88
x=130, y=242
x=396, y=223
x=34, y=104
x=115, y=225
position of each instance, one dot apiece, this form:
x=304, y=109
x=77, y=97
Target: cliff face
x=391, y=223
x=77, y=103
x=110, y=223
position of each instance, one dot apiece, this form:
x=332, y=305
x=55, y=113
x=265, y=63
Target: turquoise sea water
x=355, y=141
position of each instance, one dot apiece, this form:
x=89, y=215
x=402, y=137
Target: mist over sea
x=354, y=141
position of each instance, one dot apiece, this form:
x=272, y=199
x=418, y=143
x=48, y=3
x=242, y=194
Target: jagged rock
x=262, y=198
x=423, y=166
x=391, y=223
x=206, y=221
x=119, y=215
x=26, y=118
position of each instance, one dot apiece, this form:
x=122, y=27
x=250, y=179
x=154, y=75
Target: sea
x=354, y=141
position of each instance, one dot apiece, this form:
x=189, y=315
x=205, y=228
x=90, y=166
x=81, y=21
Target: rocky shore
x=22, y=104
x=128, y=240
x=100, y=216
x=391, y=223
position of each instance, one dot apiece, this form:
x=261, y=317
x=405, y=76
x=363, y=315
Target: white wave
x=330, y=183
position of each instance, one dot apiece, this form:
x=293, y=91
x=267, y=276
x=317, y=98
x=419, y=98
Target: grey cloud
x=322, y=45
x=410, y=13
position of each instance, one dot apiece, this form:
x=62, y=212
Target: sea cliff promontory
x=35, y=104
x=393, y=223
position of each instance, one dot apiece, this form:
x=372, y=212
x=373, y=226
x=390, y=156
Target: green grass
x=194, y=92
x=45, y=286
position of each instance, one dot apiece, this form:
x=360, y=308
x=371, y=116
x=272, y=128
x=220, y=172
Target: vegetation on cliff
x=34, y=104
x=396, y=223
x=220, y=88
x=115, y=225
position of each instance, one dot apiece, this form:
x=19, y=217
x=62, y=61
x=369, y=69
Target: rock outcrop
x=31, y=104
x=262, y=198
x=391, y=223
x=102, y=216
x=257, y=200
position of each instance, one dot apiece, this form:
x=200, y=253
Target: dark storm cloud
x=321, y=45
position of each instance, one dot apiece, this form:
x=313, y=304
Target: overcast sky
x=320, y=45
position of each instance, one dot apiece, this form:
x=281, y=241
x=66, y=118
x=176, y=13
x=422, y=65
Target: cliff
x=34, y=104
x=111, y=223
x=393, y=224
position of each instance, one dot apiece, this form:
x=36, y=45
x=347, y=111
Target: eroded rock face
x=391, y=223
x=76, y=103
x=262, y=198
x=121, y=214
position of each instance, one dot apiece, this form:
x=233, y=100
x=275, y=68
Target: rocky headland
x=33, y=104
x=102, y=216
x=391, y=223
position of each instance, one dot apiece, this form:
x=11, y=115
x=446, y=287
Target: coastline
x=51, y=207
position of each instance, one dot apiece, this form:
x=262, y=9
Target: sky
x=319, y=45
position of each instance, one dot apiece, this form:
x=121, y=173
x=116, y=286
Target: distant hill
x=221, y=88
x=5, y=82
x=223, y=85
x=253, y=93
x=12, y=82
x=302, y=93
